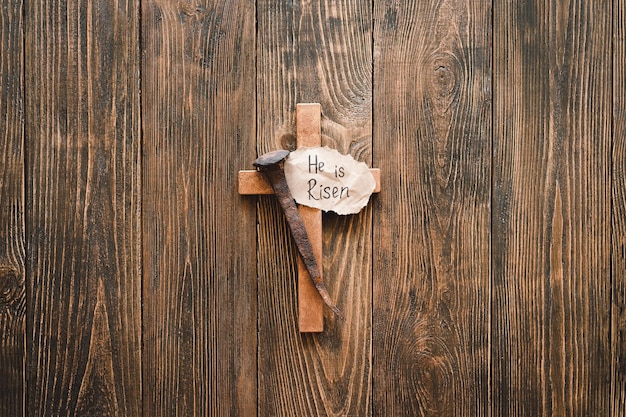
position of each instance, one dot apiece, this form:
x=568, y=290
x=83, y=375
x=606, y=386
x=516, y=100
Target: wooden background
x=487, y=279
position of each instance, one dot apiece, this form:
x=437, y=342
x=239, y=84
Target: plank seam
x=140, y=161
x=372, y=233
x=612, y=279
x=490, y=403
x=256, y=213
x=25, y=224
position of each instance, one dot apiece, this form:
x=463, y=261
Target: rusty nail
x=270, y=164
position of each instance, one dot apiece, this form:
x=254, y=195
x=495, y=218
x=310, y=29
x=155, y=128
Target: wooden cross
x=308, y=134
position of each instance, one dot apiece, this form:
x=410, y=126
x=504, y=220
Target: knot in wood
x=10, y=286
x=443, y=72
x=431, y=372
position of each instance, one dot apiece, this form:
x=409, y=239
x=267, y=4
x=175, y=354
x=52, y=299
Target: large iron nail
x=271, y=165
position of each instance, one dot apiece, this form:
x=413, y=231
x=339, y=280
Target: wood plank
x=83, y=216
x=253, y=182
x=551, y=208
x=316, y=52
x=199, y=236
x=618, y=247
x=432, y=135
x=310, y=304
x=12, y=244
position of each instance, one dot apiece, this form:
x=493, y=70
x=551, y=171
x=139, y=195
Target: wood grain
x=199, y=287
x=83, y=216
x=432, y=103
x=618, y=247
x=551, y=208
x=12, y=242
x=488, y=278
x=316, y=52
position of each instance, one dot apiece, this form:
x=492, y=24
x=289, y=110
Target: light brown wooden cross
x=308, y=134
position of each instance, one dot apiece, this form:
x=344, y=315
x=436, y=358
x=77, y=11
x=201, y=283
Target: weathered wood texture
x=432, y=103
x=199, y=286
x=316, y=52
x=83, y=208
x=12, y=248
x=488, y=277
x=551, y=208
x=618, y=254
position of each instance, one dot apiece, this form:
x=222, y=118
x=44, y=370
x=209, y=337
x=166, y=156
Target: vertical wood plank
x=551, y=208
x=199, y=287
x=618, y=254
x=432, y=135
x=83, y=216
x=316, y=52
x=12, y=251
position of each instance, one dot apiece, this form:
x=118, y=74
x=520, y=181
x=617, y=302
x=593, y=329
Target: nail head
x=271, y=158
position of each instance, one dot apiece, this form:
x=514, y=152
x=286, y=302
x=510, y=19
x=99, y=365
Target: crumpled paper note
x=325, y=179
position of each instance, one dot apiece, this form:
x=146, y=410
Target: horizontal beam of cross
x=253, y=182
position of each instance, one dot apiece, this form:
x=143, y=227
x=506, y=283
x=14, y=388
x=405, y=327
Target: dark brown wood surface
x=618, y=225
x=551, y=292
x=487, y=278
x=12, y=242
x=315, y=52
x=83, y=208
x=432, y=142
x=199, y=246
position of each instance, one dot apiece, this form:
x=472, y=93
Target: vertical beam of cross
x=308, y=134
x=310, y=304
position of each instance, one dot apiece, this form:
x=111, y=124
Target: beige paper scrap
x=325, y=179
